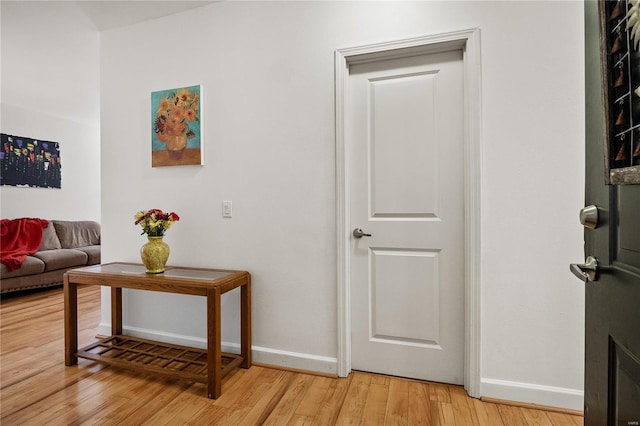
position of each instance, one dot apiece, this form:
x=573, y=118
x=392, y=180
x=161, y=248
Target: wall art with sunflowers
x=176, y=137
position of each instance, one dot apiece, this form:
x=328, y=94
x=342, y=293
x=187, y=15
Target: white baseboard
x=529, y=393
x=276, y=357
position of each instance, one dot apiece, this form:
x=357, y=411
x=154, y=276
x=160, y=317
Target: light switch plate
x=227, y=209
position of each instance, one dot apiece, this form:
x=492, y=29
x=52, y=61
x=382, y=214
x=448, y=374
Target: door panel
x=404, y=129
x=402, y=133
x=405, y=309
x=628, y=227
x=612, y=302
x=625, y=386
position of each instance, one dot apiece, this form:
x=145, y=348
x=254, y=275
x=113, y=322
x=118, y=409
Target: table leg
x=214, y=353
x=245, y=323
x=116, y=311
x=70, y=322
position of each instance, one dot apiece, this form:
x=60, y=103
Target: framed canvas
x=30, y=162
x=620, y=62
x=176, y=136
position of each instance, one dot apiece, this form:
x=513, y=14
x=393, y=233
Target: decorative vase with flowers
x=155, y=252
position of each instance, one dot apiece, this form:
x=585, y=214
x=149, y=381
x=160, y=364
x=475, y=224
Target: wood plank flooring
x=37, y=388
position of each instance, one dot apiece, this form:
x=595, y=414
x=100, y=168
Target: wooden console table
x=200, y=365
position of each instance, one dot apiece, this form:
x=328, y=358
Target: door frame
x=469, y=42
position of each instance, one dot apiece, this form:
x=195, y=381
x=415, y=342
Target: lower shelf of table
x=156, y=357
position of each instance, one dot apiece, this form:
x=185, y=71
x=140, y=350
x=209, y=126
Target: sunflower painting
x=176, y=130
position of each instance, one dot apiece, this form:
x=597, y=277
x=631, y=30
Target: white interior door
x=404, y=133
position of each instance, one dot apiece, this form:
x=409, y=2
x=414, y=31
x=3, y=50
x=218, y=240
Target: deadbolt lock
x=589, y=217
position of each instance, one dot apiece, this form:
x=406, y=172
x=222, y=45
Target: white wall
x=268, y=112
x=50, y=90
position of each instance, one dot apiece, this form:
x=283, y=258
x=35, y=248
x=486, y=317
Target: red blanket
x=19, y=238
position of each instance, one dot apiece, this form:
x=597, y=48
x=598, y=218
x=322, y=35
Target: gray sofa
x=65, y=245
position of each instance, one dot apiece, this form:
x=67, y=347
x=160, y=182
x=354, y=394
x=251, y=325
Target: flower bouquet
x=155, y=222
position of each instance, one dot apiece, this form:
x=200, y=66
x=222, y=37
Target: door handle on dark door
x=359, y=233
x=587, y=271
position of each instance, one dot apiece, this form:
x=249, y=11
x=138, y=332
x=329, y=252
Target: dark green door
x=612, y=318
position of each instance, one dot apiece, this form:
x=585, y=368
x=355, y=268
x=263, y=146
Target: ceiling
x=107, y=14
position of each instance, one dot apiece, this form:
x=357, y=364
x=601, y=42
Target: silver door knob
x=587, y=271
x=359, y=233
x=589, y=217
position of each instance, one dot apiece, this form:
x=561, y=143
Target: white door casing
x=404, y=135
x=469, y=42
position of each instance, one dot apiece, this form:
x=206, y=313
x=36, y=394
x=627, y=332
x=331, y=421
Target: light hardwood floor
x=37, y=388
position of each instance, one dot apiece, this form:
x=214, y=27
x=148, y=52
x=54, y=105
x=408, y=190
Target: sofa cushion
x=50, y=239
x=73, y=234
x=30, y=266
x=62, y=258
x=93, y=252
